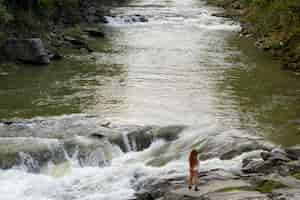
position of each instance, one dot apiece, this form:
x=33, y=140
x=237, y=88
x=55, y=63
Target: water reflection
x=184, y=66
x=266, y=97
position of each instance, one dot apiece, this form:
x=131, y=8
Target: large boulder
x=26, y=50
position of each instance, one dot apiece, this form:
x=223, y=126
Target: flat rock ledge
x=276, y=178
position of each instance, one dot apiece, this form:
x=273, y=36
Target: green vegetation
x=230, y=189
x=5, y=15
x=297, y=175
x=274, y=23
x=268, y=186
x=29, y=16
x=265, y=187
x=277, y=19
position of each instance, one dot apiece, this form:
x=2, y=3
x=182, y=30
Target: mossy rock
x=297, y=175
x=230, y=189
x=268, y=186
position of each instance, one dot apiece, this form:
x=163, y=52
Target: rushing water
x=184, y=66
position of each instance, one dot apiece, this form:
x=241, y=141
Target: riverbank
x=273, y=24
x=37, y=32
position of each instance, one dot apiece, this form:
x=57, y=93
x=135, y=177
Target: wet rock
x=238, y=195
x=293, y=152
x=276, y=164
x=103, y=19
x=140, y=138
x=211, y=190
x=94, y=32
x=168, y=133
x=89, y=151
x=275, y=155
x=258, y=166
x=286, y=194
x=26, y=50
x=61, y=127
x=54, y=55
x=32, y=153
x=134, y=140
x=228, y=145
x=74, y=41
x=141, y=18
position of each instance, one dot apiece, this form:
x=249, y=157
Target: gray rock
x=238, y=195
x=208, y=191
x=275, y=155
x=168, y=133
x=94, y=32
x=258, y=166
x=286, y=194
x=293, y=152
x=26, y=50
x=228, y=145
x=32, y=153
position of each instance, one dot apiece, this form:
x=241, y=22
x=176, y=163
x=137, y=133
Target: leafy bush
x=5, y=16
x=275, y=15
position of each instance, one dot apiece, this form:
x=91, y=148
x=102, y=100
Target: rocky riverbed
x=272, y=175
x=60, y=34
x=257, y=169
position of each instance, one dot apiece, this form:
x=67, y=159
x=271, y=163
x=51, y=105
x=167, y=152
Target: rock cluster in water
x=34, y=143
x=266, y=172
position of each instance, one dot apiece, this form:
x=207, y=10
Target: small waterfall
x=134, y=145
x=126, y=142
x=28, y=163
x=96, y=158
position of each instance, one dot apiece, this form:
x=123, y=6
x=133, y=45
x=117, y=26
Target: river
x=184, y=66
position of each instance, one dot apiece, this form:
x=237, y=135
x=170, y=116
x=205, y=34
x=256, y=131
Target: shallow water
x=184, y=66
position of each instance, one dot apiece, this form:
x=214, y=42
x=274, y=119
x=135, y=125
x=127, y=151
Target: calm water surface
x=184, y=66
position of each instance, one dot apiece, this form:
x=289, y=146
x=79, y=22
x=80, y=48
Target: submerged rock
x=94, y=32
x=293, y=152
x=26, y=50
x=89, y=151
x=228, y=145
x=31, y=153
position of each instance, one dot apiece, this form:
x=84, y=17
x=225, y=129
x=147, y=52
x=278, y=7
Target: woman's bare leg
x=190, y=180
x=196, y=179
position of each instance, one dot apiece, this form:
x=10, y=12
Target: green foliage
x=75, y=32
x=268, y=186
x=47, y=4
x=274, y=16
x=230, y=189
x=52, y=4
x=297, y=176
x=5, y=16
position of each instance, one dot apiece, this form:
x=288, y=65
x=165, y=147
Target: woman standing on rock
x=194, y=168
